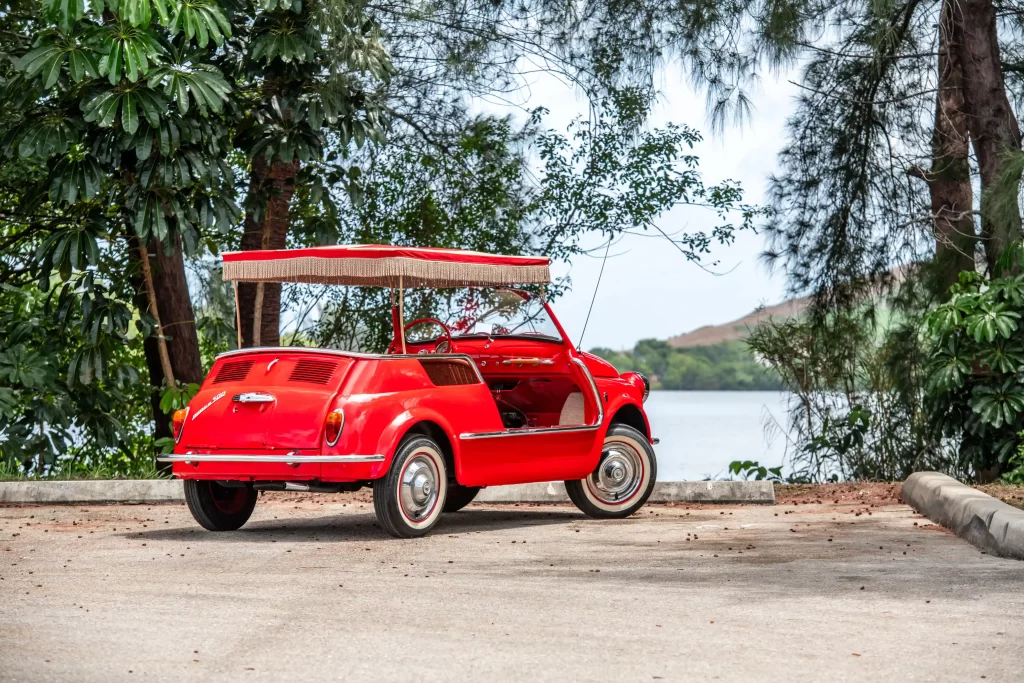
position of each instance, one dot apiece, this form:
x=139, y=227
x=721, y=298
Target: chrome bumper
x=290, y=459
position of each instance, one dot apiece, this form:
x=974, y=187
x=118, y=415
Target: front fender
x=617, y=400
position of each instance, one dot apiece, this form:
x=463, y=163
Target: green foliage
x=855, y=379
x=975, y=394
x=728, y=366
x=1015, y=473
x=752, y=468
x=176, y=397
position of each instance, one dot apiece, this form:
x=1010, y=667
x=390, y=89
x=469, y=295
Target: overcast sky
x=648, y=288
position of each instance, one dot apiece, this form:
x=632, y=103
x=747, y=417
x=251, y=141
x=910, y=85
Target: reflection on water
x=701, y=432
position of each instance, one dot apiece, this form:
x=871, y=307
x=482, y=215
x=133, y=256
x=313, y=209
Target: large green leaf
x=74, y=177
x=46, y=137
x=200, y=20
x=189, y=76
x=992, y=321
x=282, y=37
x=74, y=248
x=64, y=13
x=103, y=107
x=53, y=52
x=127, y=51
x=999, y=404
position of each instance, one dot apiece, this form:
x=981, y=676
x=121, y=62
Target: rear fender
x=394, y=433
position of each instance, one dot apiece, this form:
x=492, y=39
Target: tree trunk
x=949, y=179
x=274, y=183
x=151, y=351
x=993, y=127
x=176, y=313
x=175, y=309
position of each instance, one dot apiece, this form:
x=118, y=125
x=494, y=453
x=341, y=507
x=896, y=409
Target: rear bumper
x=190, y=458
x=276, y=466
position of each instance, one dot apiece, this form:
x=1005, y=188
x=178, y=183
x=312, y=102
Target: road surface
x=311, y=590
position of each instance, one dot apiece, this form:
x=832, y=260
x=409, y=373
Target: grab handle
x=253, y=397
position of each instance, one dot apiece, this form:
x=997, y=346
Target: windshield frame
x=525, y=296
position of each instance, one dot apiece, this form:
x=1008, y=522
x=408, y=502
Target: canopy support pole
x=238, y=314
x=401, y=313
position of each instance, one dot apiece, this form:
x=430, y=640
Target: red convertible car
x=499, y=395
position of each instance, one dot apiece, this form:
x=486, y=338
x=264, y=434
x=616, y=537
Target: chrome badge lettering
x=212, y=401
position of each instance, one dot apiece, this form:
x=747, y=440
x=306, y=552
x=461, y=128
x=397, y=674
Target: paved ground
x=310, y=590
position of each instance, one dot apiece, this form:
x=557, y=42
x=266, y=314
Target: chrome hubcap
x=619, y=474
x=419, y=487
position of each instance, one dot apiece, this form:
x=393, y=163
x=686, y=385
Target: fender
x=396, y=431
x=619, y=400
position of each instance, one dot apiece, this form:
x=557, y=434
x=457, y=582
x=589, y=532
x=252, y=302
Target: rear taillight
x=178, y=423
x=335, y=421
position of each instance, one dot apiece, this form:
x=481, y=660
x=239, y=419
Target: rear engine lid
x=265, y=401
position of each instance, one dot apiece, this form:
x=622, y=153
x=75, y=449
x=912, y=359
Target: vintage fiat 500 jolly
x=497, y=396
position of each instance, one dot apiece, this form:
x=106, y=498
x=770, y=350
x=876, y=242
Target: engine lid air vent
x=313, y=371
x=234, y=371
x=446, y=372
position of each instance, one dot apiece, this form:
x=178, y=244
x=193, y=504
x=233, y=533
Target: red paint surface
x=384, y=397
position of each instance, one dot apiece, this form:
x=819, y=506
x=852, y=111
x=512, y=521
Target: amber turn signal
x=335, y=421
x=178, y=423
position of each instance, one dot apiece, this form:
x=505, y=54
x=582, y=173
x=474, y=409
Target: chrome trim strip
x=288, y=459
x=526, y=431
x=529, y=431
x=528, y=361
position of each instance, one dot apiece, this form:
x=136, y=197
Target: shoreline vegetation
x=725, y=366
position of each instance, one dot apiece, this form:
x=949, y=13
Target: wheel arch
x=425, y=422
x=631, y=415
x=433, y=430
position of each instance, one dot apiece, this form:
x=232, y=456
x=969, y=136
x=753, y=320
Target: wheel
x=623, y=479
x=408, y=500
x=217, y=507
x=459, y=497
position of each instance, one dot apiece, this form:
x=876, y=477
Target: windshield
x=503, y=313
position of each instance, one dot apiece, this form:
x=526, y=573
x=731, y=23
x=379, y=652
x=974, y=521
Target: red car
x=497, y=396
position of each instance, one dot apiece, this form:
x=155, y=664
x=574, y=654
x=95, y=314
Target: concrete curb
x=125, y=491
x=977, y=517
x=748, y=492
x=148, y=491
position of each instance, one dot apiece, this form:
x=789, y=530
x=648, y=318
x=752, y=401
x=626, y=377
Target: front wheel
x=408, y=500
x=623, y=479
x=217, y=507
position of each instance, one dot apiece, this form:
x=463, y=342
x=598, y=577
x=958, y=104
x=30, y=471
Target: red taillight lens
x=335, y=421
x=178, y=423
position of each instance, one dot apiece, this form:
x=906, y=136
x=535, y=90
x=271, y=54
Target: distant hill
x=712, y=357
x=741, y=327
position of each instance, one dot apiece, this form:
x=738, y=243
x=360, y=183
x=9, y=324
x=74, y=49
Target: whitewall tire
x=623, y=479
x=409, y=499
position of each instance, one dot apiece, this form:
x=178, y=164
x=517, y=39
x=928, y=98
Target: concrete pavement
x=311, y=590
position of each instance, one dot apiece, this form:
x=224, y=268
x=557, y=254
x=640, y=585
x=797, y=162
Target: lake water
x=701, y=432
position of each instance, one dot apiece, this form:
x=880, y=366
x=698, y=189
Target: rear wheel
x=623, y=479
x=217, y=507
x=409, y=499
x=459, y=497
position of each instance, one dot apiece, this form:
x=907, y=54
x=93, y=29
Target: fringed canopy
x=384, y=266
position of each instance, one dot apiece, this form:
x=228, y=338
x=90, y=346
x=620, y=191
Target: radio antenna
x=579, y=345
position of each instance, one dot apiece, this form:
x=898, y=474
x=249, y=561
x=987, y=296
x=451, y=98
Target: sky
x=648, y=289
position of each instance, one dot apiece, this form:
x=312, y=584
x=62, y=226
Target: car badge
x=212, y=401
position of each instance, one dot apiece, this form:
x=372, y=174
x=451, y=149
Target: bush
x=974, y=394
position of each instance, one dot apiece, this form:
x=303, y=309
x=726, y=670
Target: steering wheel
x=448, y=345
